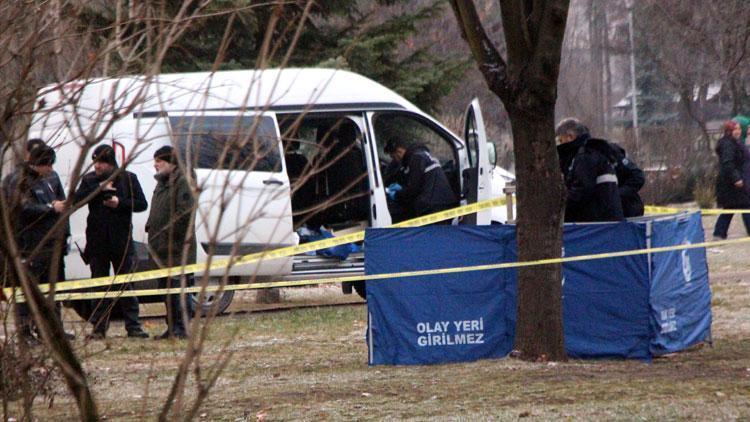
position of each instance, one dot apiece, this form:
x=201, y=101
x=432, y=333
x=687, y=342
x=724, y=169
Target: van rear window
x=227, y=142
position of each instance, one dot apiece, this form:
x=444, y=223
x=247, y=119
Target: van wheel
x=222, y=300
x=361, y=288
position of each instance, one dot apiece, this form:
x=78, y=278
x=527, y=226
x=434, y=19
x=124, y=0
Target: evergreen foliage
x=368, y=37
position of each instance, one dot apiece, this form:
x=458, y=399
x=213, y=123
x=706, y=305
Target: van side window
x=227, y=142
x=413, y=130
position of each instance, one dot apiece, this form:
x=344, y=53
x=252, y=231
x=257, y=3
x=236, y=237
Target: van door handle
x=272, y=182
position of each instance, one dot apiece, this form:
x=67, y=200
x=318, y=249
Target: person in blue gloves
x=419, y=186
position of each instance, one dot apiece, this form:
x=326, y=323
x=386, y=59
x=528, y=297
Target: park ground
x=311, y=364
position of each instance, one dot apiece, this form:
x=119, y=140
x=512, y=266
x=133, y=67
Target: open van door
x=478, y=177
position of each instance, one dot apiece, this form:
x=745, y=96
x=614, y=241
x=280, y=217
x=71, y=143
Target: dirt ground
x=312, y=364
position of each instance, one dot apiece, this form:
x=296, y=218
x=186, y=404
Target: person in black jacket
x=589, y=176
x=36, y=207
x=109, y=232
x=630, y=180
x=731, y=188
x=421, y=185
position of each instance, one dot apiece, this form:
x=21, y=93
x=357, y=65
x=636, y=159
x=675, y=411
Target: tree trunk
x=539, y=333
x=527, y=85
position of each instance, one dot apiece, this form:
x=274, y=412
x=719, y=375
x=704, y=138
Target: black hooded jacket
x=110, y=229
x=590, y=181
x=425, y=187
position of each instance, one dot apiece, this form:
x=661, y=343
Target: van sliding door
x=244, y=188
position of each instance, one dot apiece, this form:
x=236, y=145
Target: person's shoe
x=96, y=335
x=70, y=336
x=171, y=335
x=138, y=333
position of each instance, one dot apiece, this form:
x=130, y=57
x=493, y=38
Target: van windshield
x=227, y=142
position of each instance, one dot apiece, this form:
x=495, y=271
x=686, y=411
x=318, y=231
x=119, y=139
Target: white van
x=282, y=112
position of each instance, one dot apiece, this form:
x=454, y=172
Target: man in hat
x=36, y=208
x=113, y=195
x=171, y=233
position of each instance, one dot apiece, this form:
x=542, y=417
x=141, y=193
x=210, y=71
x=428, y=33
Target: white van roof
x=293, y=89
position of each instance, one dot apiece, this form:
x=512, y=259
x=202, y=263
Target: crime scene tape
x=653, y=209
x=265, y=255
x=405, y=274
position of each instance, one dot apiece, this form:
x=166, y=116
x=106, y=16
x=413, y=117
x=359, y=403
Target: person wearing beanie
x=31, y=144
x=166, y=154
x=171, y=234
x=36, y=208
x=112, y=196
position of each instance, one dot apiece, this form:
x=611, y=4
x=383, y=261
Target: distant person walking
x=109, y=235
x=733, y=183
x=171, y=233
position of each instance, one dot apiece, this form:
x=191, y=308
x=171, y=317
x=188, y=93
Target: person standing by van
x=109, y=235
x=171, y=233
x=36, y=209
x=421, y=186
x=731, y=188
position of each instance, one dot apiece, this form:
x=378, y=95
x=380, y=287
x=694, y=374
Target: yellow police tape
x=652, y=209
x=327, y=243
x=265, y=255
x=405, y=274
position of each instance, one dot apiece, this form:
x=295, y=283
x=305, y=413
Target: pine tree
x=367, y=37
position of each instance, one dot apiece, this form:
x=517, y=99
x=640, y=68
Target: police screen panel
x=471, y=315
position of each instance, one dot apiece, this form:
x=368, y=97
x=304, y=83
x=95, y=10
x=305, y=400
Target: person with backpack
x=630, y=179
x=589, y=176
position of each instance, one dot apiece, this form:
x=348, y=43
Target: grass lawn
x=312, y=364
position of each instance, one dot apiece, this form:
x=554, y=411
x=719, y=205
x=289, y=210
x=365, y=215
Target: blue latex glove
x=392, y=189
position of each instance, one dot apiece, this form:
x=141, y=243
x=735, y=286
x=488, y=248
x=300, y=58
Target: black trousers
x=39, y=271
x=127, y=306
x=174, y=317
x=721, y=229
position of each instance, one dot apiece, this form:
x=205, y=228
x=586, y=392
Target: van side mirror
x=492, y=153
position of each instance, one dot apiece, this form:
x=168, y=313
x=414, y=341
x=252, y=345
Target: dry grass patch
x=312, y=364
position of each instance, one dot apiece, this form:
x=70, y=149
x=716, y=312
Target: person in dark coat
x=590, y=179
x=345, y=179
x=36, y=208
x=302, y=185
x=109, y=234
x=731, y=189
x=170, y=229
x=630, y=180
x=422, y=186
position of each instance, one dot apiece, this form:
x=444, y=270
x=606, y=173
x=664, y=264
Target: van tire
x=223, y=300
